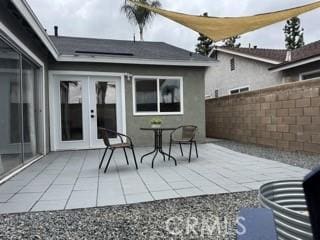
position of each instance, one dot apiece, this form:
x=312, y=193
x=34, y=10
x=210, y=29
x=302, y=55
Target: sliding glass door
x=18, y=109
x=10, y=109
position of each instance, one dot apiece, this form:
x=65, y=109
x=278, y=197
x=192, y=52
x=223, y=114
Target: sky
x=103, y=19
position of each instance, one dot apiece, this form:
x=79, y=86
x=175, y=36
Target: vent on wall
x=104, y=53
x=232, y=64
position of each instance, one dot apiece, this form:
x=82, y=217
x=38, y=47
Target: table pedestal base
x=158, y=148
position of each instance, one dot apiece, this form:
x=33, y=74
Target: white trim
x=140, y=61
x=266, y=60
x=306, y=73
x=20, y=44
x=19, y=169
x=85, y=73
x=239, y=88
x=54, y=136
x=297, y=64
x=24, y=50
x=158, y=113
x=123, y=102
x=35, y=24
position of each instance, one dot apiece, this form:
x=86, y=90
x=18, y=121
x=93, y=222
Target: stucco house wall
x=193, y=89
x=252, y=73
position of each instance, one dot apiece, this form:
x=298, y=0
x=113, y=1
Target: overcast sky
x=103, y=19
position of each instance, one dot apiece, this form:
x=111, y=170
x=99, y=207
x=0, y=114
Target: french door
x=83, y=104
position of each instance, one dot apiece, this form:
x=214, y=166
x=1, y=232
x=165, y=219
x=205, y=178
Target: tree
x=205, y=44
x=231, y=42
x=293, y=34
x=140, y=16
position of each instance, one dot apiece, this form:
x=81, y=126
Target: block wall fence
x=286, y=117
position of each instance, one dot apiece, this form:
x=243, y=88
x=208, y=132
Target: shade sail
x=218, y=28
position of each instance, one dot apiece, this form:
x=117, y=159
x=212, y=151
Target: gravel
x=149, y=220
x=300, y=159
x=165, y=219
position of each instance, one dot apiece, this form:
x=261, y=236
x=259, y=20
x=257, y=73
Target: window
x=232, y=64
x=157, y=95
x=310, y=75
x=239, y=90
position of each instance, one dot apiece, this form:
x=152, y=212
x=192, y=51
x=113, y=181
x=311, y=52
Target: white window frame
x=157, y=78
x=239, y=88
x=307, y=73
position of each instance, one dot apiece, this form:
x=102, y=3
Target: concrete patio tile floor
x=70, y=179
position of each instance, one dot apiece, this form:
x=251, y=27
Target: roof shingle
x=271, y=54
x=122, y=48
x=307, y=51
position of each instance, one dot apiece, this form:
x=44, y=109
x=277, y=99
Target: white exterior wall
x=252, y=73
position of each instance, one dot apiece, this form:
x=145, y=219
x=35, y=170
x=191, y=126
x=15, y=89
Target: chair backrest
x=189, y=132
x=105, y=136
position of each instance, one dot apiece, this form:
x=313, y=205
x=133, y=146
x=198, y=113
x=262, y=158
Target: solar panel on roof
x=104, y=53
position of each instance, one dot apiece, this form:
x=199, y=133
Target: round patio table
x=158, y=144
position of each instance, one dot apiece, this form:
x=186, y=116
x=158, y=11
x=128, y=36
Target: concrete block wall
x=285, y=117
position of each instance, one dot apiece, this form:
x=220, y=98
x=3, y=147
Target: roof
x=123, y=49
x=306, y=54
x=277, y=57
x=271, y=54
x=74, y=49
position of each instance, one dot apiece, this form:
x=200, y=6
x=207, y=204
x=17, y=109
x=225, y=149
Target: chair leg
x=190, y=151
x=134, y=158
x=195, y=144
x=104, y=154
x=125, y=153
x=170, y=149
x=105, y=170
x=181, y=149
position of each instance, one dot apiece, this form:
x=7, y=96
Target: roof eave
x=266, y=60
x=35, y=24
x=139, y=61
x=294, y=64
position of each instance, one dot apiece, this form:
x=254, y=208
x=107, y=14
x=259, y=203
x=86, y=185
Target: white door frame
x=54, y=121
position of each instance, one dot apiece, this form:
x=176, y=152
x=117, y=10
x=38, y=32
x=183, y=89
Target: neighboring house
x=245, y=69
x=56, y=91
x=303, y=64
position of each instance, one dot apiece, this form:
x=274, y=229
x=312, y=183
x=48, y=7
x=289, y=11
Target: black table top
x=160, y=128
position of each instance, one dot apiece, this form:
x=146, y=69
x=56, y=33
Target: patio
x=68, y=180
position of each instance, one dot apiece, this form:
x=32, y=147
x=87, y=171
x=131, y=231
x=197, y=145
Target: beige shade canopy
x=219, y=29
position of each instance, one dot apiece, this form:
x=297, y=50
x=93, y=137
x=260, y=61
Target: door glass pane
x=106, y=106
x=71, y=110
x=10, y=109
x=30, y=110
x=170, y=100
x=146, y=95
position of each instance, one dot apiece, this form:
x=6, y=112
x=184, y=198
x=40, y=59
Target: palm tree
x=138, y=15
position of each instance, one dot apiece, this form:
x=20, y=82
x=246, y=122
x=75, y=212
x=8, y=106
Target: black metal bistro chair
x=184, y=135
x=128, y=144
